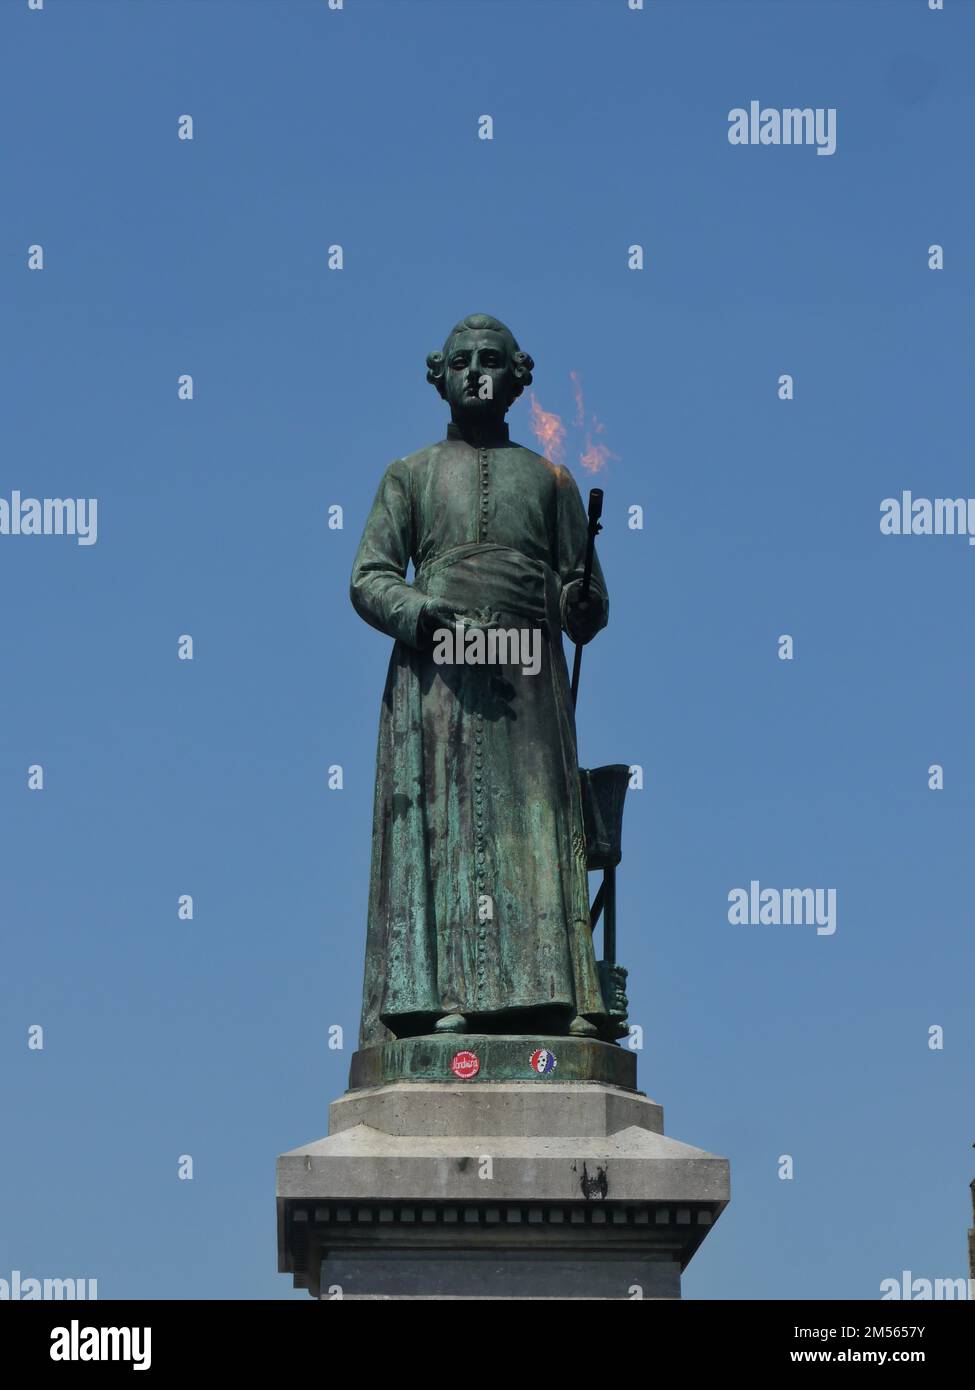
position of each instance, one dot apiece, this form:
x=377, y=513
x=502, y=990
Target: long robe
x=478, y=900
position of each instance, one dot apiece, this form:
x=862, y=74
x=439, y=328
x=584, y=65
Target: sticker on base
x=542, y=1061
x=465, y=1065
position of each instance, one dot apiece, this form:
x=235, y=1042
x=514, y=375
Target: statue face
x=475, y=354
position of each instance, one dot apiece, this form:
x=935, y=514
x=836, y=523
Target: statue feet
x=451, y=1023
x=581, y=1028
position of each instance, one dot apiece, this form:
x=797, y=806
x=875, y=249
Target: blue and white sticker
x=542, y=1061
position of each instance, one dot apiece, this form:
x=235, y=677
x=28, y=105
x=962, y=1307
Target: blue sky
x=164, y=257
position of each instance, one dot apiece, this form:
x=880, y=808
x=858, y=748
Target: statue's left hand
x=584, y=618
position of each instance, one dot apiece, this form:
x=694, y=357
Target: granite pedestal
x=509, y=1183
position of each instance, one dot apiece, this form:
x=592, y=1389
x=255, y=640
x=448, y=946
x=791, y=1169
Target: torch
x=595, y=512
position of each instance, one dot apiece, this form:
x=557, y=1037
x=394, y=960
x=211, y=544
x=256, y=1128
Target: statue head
x=480, y=371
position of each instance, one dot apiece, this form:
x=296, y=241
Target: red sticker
x=465, y=1065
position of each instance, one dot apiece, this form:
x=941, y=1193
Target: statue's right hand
x=437, y=613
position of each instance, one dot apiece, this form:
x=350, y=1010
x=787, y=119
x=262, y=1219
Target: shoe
x=581, y=1028
x=452, y=1023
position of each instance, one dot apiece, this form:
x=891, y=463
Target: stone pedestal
x=513, y=1182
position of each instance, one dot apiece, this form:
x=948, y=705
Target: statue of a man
x=478, y=901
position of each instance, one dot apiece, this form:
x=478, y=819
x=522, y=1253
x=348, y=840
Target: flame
x=549, y=430
x=594, y=456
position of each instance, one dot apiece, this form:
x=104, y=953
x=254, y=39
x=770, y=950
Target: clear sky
x=162, y=777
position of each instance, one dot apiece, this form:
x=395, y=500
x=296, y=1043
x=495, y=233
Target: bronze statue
x=479, y=918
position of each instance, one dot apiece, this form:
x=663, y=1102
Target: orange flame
x=549, y=430
x=594, y=456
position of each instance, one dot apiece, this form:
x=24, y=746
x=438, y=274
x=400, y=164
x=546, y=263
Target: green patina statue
x=479, y=916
